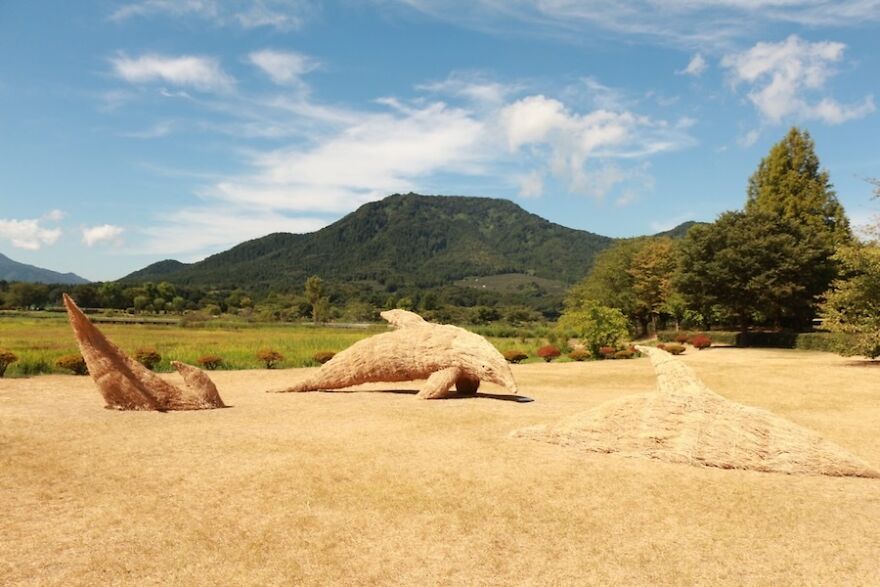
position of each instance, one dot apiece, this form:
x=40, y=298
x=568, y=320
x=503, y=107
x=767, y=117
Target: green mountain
x=14, y=271
x=421, y=240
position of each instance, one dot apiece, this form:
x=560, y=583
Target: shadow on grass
x=504, y=397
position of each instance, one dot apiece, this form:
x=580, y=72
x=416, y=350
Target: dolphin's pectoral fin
x=467, y=385
x=439, y=384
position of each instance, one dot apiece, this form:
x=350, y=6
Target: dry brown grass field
x=373, y=488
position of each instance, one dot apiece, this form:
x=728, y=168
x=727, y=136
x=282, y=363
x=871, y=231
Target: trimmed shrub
x=73, y=363
x=6, y=358
x=701, y=341
x=269, y=357
x=774, y=339
x=661, y=346
x=515, y=356
x=727, y=337
x=548, y=352
x=627, y=354
x=579, y=355
x=674, y=348
x=681, y=337
x=607, y=352
x=148, y=357
x=323, y=356
x=210, y=362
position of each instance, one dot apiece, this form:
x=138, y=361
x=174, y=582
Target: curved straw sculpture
x=685, y=422
x=447, y=356
x=128, y=385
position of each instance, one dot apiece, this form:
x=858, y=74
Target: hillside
x=426, y=240
x=414, y=239
x=14, y=271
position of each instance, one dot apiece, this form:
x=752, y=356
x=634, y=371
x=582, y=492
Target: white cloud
x=103, y=233
x=472, y=86
x=283, y=67
x=55, y=215
x=688, y=23
x=695, y=67
x=531, y=185
x=28, y=234
x=284, y=15
x=783, y=76
x=201, y=73
x=580, y=145
x=203, y=230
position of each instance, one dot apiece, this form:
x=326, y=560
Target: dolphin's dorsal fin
x=402, y=318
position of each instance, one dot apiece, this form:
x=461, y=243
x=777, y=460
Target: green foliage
x=323, y=356
x=210, y=362
x=548, y=352
x=6, y=358
x=315, y=291
x=754, y=265
x=269, y=357
x=73, y=363
x=515, y=356
x=148, y=357
x=853, y=303
x=789, y=184
x=595, y=325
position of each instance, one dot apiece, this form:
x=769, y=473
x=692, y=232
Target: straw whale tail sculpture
x=684, y=421
x=128, y=385
x=447, y=356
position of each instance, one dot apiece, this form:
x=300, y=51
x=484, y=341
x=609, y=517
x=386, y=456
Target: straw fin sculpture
x=452, y=360
x=128, y=385
x=685, y=422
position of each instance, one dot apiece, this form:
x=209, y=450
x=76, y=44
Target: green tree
x=790, y=184
x=609, y=283
x=651, y=269
x=595, y=325
x=316, y=290
x=752, y=265
x=853, y=303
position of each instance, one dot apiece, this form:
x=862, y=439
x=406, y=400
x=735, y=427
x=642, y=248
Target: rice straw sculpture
x=128, y=385
x=453, y=360
x=685, y=422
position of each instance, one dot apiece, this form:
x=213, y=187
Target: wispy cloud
x=283, y=67
x=201, y=73
x=104, y=233
x=284, y=15
x=30, y=234
x=784, y=76
x=689, y=23
x=695, y=67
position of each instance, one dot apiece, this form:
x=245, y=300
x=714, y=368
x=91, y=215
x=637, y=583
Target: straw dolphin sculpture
x=128, y=385
x=447, y=356
x=683, y=421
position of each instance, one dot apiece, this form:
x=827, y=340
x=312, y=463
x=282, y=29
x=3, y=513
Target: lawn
x=373, y=488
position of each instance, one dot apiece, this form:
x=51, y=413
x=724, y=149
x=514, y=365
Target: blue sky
x=137, y=131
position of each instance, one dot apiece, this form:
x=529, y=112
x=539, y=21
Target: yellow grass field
x=374, y=488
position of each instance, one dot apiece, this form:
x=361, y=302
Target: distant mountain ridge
x=424, y=240
x=14, y=271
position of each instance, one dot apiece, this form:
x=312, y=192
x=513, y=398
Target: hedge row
x=832, y=342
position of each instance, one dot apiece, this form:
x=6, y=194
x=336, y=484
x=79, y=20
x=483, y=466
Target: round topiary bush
x=579, y=355
x=73, y=363
x=148, y=357
x=701, y=341
x=210, y=362
x=607, y=352
x=681, y=338
x=548, y=352
x=269, y=357
x=323, y=356
x=674, y=348
x=626, y=354
x=6, y=358
x=515, y=356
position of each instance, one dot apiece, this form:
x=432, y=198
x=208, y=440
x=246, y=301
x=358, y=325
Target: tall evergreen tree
x=790, y=184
